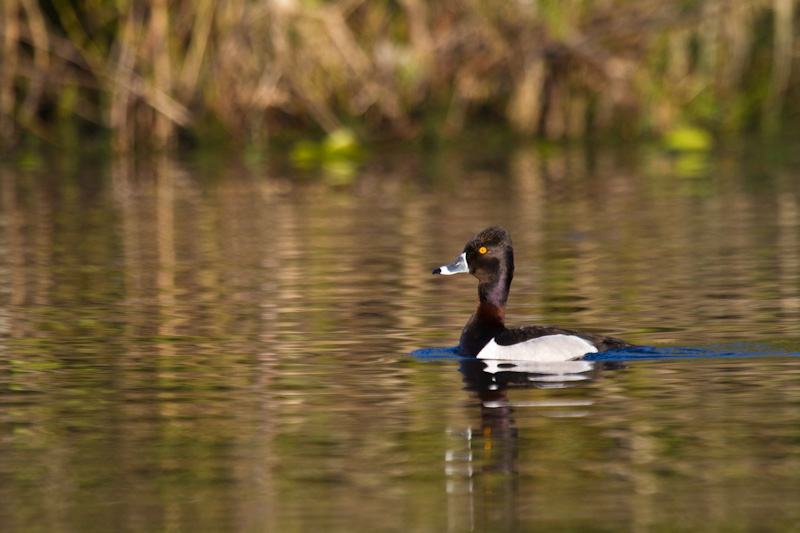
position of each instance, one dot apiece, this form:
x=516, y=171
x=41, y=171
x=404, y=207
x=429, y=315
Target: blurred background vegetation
x=161, y=72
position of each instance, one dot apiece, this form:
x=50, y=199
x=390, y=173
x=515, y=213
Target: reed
x=561, y=69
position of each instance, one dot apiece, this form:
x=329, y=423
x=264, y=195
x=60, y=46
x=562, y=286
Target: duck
x=490, y=258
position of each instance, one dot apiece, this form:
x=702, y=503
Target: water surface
x=211, y=345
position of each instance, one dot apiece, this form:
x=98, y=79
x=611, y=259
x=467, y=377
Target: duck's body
x=490, y=258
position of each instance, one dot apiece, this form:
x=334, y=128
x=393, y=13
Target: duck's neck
x=489, y=319
x=494, y=293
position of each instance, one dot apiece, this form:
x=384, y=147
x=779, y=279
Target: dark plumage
x=490, y=258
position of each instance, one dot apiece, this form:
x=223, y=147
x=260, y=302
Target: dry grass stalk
x=555, y=69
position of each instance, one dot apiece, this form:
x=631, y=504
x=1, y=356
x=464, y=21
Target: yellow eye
x=482, y=250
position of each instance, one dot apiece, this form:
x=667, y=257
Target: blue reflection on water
x=681, y=352
x=432, y=354
x=489, y=379
x=642, y=352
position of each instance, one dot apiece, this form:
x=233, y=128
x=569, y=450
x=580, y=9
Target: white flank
x=549, y=348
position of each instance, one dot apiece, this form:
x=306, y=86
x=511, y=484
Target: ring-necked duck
x=490, y=258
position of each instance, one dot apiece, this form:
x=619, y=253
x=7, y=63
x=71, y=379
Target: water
x=212, y=345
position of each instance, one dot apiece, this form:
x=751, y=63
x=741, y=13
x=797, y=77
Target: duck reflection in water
x=481, y=460
x=490, y=381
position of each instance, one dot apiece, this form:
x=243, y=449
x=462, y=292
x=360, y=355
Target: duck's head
x=489, y=257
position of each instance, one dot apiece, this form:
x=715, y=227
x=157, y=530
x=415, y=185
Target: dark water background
x=218, y=344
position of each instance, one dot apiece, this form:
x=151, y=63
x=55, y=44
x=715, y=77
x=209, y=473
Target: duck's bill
x=456, y=267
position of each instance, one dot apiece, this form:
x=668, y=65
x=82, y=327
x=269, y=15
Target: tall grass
x=151, y=71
